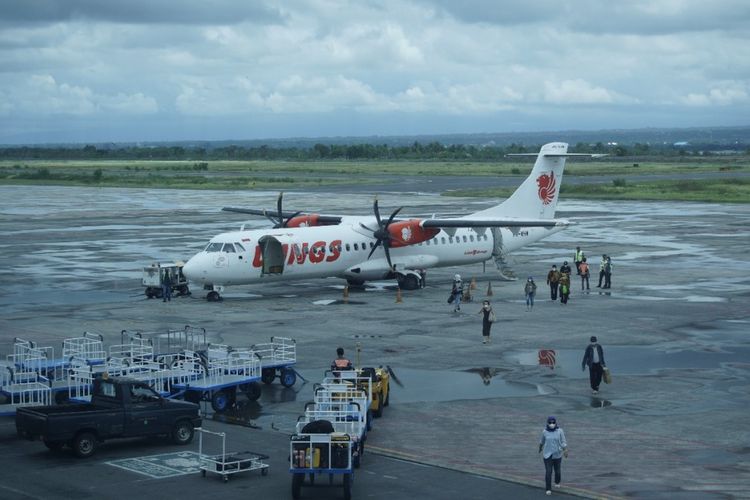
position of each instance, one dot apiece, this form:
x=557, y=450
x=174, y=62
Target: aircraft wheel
x=213, y=296
x=409, y=282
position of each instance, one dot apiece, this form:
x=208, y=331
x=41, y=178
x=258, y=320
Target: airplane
x=305, y=245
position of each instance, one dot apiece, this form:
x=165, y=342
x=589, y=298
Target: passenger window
x=228, y=248
x=442, y=240
x=356, y=246
x=464, y=239
x=347, y=247
x=471, y=238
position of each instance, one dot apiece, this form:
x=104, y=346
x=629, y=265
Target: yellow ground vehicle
x=380, y=388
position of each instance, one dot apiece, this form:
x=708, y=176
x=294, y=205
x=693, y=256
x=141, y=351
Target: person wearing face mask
x=530, y=290
x=553, y=447
x=593, y=357
x=488, y=317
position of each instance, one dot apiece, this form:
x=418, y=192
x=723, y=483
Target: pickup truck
x=119, y=408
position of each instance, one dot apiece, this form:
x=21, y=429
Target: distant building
x=681, y=144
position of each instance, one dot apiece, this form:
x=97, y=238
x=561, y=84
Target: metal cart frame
x=226, y=464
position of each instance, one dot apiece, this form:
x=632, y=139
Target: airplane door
x=273, y=255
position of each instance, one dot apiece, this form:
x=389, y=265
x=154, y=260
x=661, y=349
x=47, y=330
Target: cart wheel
x=220, y=401
x=347, y=487
x=267, y=375
x=226, y=478
x=288, y=377
x=213, y=296
x=264, y=471
x=252, y=390
x=297, y=485
x=203, y=473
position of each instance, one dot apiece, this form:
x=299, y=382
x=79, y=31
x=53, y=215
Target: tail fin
x=537, y=196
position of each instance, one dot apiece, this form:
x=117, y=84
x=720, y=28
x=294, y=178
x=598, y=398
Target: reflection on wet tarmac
x=636, y=360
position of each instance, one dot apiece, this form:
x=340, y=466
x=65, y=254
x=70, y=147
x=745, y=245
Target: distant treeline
x=416, y=151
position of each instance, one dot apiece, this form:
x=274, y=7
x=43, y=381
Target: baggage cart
x=225, y=463
x=312, y=455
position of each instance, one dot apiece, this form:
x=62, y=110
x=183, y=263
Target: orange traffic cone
x=398, y=296
x=473, y=284
x=489, y=289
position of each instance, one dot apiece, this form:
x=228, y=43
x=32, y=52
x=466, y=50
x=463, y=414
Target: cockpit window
x=228, y=248
x=213, y=247
x=239, y=247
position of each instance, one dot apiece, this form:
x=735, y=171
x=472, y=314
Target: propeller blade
x=280, y=221
x=377, y=211
x=393, y=216
x=393, y=376
x=375, y=246
x=387, y=255
x=365, y=227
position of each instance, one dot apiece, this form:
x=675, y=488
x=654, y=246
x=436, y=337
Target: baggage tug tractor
x=153, y=277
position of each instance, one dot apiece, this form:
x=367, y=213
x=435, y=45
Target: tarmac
x=673, y=326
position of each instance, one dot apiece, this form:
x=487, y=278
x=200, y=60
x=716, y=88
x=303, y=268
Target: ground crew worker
x=608, y=273
x=457, y=292
x=553, y=280
x=584, y=272
x=601, y=270
x=166, y=286
x=340, y=363
x=578, y=258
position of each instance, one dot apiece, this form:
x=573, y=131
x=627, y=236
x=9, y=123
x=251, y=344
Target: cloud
x=577, y=91
x=730, y=94
x=43, y=95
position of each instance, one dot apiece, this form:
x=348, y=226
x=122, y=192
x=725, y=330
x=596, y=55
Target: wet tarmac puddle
x=631, y=360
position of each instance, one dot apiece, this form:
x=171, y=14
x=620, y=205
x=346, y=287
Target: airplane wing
x=324, y=219
x=495, y=222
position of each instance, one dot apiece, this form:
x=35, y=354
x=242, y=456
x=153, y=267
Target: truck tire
x=267, y=375
x=297, y=480
x=182, y=433
x=288, y=377
x=84, y=444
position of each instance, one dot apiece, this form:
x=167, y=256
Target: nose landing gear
x=214, y=292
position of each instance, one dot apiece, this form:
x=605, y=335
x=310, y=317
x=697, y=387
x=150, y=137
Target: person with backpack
x=584, y=272
x=529, y=290
x=564, y=287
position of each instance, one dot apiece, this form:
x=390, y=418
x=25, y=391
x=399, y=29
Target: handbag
x=607, y=376
x=450, y=298
x=492, y=316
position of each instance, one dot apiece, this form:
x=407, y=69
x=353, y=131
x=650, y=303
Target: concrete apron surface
x=663, y=429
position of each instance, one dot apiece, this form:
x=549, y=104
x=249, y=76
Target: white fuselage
x=340, y=251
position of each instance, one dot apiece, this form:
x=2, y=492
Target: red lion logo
x=547, y=185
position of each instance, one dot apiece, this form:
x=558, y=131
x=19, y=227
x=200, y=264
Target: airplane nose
x=190, y=270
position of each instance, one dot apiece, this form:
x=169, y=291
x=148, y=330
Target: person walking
x=593, y=357
x=565, y=268
x=584, y=272
x=608, y=272
x=166, y=286
x=553, y=448
x=564, y=287
x=530, y=290
x=488, y=317
x=601, y=270
x=553, y=280
x=577, y=259
x=341, y=362
x=457, y=291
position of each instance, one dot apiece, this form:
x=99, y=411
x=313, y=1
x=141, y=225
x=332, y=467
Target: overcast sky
x=149, y=70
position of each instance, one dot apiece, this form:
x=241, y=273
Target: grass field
x=239, y=175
